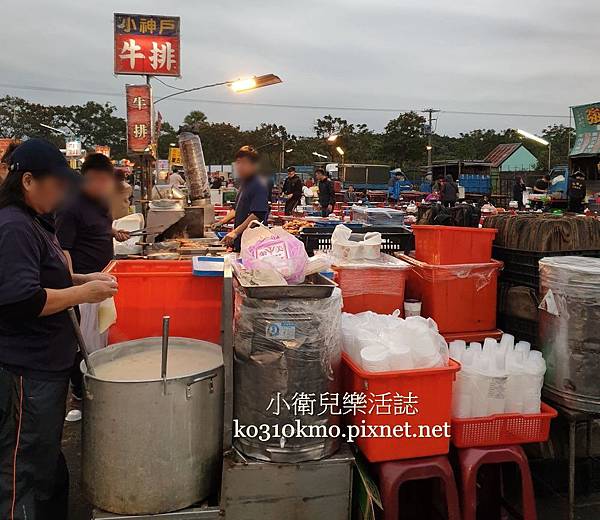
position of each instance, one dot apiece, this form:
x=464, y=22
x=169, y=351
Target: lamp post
x=237, y=85
x=539, y=140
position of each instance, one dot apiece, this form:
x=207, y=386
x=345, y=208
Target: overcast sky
x=509, y=56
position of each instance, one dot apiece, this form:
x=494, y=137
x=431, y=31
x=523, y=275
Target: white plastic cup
x=412, y=308
x=523, y=346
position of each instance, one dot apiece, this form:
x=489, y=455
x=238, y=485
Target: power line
x=168, y=85
x=285, y=105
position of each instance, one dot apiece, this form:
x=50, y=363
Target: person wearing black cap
x=292, y=189
x=37, y=340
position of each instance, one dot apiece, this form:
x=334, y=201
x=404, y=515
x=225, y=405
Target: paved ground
x=549, y=481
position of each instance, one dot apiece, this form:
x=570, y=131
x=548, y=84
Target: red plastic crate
x=503, y=429
x=151, y=289
x=433, y=389
x=446, y=245
x=460, y=298
x=377, y=289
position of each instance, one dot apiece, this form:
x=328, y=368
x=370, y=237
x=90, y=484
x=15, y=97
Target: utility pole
x=430, y=112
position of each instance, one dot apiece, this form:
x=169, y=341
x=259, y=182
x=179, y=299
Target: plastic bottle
x=534, y=370
x=516, y=382
x=523, y=346
x=457, y=349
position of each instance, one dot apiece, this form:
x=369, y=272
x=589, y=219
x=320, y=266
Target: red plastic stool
x=471, y=459
x=395, y=473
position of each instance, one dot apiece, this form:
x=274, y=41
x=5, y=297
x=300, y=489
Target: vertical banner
x=139, y=118
x=147, y=45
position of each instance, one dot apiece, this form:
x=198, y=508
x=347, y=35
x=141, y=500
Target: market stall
x=373, y=329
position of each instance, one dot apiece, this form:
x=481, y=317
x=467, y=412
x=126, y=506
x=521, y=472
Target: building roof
x=502, y=152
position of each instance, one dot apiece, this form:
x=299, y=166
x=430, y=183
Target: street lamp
x=339, y=150
x=237, y=85
x=539, y=140
x=317, y=154
x=332, y=138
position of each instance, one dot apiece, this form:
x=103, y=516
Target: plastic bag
x=346, y=247
x=392, y=343
x=264, y=248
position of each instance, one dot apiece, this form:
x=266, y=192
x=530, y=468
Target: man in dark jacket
x=518, y=190
x=326, y=193
x=577, y=191
x=292, y=189
x=449, y=191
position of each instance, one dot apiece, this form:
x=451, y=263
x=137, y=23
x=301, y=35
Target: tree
x=403, y=140
x=559, y=136
x=330, y=125
x=168, y=135
x=195, y=117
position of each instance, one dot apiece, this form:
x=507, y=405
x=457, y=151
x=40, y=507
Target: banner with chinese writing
x=139, y=118
x=4, y=144
x=587, y=130
x=146, y=44
x=175, y=156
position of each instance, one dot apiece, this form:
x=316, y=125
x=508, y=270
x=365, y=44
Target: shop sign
x=147, y=44
x=139, y=118
x=175, y=156
x=4, y=144
x=104, y=150
x=73, y=148
x=587, y=129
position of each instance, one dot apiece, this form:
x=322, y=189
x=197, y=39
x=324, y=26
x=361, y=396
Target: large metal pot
x=569, y=333
x=150, y=447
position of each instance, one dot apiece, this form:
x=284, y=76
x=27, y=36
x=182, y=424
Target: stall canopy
x=587, y=130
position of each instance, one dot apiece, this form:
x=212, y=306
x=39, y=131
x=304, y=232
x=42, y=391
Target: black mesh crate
x=522, y=267
x=393, y=239
x=521, y=329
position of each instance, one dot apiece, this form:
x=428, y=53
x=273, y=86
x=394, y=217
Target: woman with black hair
x=37, y=340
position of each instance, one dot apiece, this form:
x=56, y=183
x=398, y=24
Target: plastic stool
x=471, y=459
x=395, y=473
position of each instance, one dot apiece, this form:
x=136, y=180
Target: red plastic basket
x=443, y=245
x=432, y=387
x=503, y=429
x=151, y=289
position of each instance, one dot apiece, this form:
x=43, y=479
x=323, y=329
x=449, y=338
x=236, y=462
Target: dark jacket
x=577, y=188
x=293, y=185
x=449, y=190
x=518, y=189
x=326, y=193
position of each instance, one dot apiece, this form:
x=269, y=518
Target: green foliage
x=401, y=144
x=403, y=141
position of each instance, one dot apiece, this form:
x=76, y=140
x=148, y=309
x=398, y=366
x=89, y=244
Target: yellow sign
x=175, y=156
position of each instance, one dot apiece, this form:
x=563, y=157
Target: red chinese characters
x=139, y=118
x=147, y=45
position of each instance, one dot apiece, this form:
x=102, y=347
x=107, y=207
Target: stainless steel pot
x=147, y=450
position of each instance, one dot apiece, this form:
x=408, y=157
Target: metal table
x=573, y=418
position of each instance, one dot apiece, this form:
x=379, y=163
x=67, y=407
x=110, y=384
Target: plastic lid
x=576, y=264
